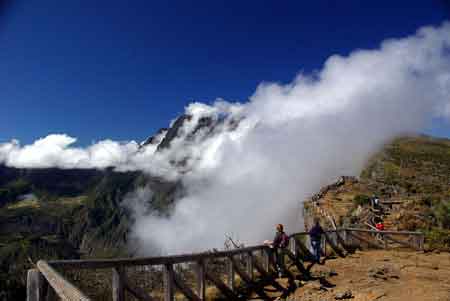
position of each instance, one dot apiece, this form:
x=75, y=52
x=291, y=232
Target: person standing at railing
x=315, y=235
x=279, y=245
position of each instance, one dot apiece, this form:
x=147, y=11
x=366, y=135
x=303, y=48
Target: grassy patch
x=31, y=203
x=361, y=199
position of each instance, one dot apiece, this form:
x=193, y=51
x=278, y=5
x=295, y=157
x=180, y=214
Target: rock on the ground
x=344, y=295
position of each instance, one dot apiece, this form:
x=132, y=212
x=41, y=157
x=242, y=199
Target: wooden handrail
x=161, y=260
x=65, y=290
x=385, y=232
x=68, y=292
x=193, y=257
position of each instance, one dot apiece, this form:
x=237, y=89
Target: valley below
x=71, y=214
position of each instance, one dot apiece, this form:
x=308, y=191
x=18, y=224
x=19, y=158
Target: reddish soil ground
x=381, y=275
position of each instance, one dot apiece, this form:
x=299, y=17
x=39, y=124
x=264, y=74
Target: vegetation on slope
x=66, y=214
x=413, y=173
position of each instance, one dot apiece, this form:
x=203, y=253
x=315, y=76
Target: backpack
x=284, y=240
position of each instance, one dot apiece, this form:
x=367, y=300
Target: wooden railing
x=255, y=266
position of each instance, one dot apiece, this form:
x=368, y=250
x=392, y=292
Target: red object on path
x=379, y=226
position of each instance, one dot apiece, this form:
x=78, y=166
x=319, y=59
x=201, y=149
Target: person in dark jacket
x=315, y=235
x=279, y=244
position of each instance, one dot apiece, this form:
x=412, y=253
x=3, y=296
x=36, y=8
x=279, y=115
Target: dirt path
x=381, y=275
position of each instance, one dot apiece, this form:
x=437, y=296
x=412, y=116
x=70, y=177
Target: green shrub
x=361, y=199
x=438, y=238
x=12, y=190
x=428, y=201
x=442, y=214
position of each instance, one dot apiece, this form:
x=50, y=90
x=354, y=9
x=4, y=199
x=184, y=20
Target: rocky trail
x=380, y=275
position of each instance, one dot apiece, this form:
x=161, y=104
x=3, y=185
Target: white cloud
x=55, y=151
x=297, y=137
x=244, y=177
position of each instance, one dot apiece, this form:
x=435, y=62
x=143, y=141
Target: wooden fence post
x=293, y=246
x=231, y=273
x=201, y=284
x=324, y=245
x=347, y=238
x=421, y=241
x=249, y=264
x=266, y=253
x=118, y=287
x=36, y=285
x=169, y=285
x=385, y=241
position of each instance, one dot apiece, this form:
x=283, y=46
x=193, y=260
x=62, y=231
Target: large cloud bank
x=252, y=170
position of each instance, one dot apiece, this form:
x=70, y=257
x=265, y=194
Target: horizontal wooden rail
x=161, y=260
x=385, y=232
x=417, y=242
x=65, y=290
x=195, y=257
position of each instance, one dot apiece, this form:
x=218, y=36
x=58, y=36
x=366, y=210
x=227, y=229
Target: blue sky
x=122, y=69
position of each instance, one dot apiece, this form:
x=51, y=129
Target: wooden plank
x=421, y=242
x=300, y=267
x=293, y=246
x=252, y=285
x=333, y=246
x=323, y=243
x=370, y=243
x=261, y=270
x=185, y=290
x=343, y=241
x=404, y=243
x=118, y=287
x=385, y=241
x=231, y=274
x=290, y=275
x=162, y=260
x=299, y=234
x=223, y=288
x=386, y=232
x=307, y=254
x=35, y=285
x=265, y=255
x=63, y=288
x=201, y=283
x=136, y=291
x=241, y=272
x=169, y=283
x=249, y=265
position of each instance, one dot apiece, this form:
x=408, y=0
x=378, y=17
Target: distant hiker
x=315, y=235
x=379, y=226
x=279, y=244
x=375, y=202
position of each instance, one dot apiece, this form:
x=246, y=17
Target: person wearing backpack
x=279, y=244
x=315, y=235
